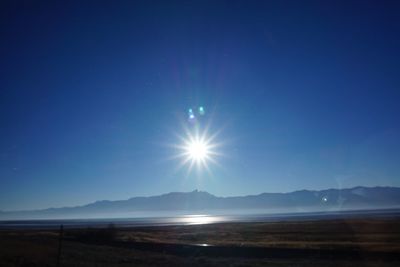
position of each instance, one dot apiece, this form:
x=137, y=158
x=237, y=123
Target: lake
x=195, y=219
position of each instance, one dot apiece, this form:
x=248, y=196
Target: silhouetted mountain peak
x=302, y=200
x=191, y=193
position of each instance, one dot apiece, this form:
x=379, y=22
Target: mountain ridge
x=359, y=197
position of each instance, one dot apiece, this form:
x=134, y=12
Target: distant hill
x=297, y=201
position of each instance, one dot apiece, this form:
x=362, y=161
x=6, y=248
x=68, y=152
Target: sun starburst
x=197, y=149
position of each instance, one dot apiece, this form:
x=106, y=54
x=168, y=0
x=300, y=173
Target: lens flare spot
x=201, y=110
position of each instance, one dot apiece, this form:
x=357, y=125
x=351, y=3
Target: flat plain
x=355, y=242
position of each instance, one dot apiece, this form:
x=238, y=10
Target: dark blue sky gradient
x=92, y=95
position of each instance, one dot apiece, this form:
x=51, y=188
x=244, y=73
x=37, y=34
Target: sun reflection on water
x=200, y=219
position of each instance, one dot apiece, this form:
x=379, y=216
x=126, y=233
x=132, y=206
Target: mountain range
x=200, y=201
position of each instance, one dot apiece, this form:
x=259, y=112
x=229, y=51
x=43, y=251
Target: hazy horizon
x=192, y=191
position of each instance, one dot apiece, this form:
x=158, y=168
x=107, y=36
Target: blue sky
x=304, y=94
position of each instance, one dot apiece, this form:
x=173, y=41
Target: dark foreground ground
x=372, y=242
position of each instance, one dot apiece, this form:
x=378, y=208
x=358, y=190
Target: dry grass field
x=344, y=243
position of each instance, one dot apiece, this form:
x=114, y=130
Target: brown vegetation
x=101, y=247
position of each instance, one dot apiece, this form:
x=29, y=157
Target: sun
x=198, y=150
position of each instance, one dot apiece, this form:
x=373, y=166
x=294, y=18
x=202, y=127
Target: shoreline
x=192, y=219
